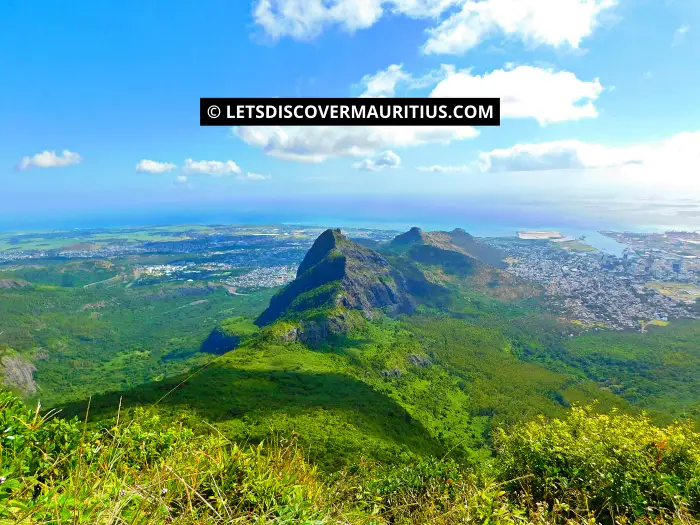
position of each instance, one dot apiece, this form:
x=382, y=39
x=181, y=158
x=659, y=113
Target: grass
x=343, y=403
x=575, y=246
x=143, y=469
x=686, y=292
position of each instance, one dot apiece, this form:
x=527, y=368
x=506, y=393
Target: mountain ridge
x=339, y=278
x=336, y=275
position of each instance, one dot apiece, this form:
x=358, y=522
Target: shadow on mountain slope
x=338, y=417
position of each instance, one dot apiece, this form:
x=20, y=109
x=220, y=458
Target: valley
x=308, y=310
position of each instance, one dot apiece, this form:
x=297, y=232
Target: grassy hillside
x=583, y=468
x=390, y=390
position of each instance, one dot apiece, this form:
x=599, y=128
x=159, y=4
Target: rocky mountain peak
x=338, y=274
x=323, y=245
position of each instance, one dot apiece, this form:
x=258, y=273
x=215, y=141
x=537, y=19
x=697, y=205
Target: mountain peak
x=337, y=273
x=323, y=245
x=458, y=234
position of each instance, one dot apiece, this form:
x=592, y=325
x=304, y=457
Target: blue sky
x=601, y=107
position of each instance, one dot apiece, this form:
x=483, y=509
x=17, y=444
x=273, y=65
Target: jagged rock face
x=371, y=282
x=337, y=272
x=313, y=332
x=17, y=373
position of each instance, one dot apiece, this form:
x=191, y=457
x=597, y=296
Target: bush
x=614, y=464
x=145, y=470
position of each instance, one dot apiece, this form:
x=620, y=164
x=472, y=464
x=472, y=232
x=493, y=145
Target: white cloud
x=527, y=92
x=152, y=166
x=49, y=159
x=214, y=168
x=385, y=160
x=535, y=22
x=679, y=36
x=436, y=168
x=306, y=19
x=318, y=143
x=181, y=179
x=252, y=176
x=383, y=83
x=675, y=161
x=560, y=155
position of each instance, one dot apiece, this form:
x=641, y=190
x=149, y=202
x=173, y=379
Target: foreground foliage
x=586, y=468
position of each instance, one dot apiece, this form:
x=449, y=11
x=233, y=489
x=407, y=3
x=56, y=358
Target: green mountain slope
x=391, y=390
x=337, y=275
x=326, y=364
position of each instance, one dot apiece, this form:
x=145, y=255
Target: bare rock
x=17, y=373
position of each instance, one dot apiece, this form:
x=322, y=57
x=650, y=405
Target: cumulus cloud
x=306, y=19
x=385, y=160
x=527, y=92
x=671, y=161
x=252, y=176
x=536, y=22
x=49, y=159
x=152, y=166
x=213, y=168
x=383, y=83
x=318, y=143
x=437, y=168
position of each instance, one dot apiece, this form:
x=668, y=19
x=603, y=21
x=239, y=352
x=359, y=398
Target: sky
x=99, y=111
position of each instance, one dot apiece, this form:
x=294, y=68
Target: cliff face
x=339, y=282
x=18, y=374
x=338, y=274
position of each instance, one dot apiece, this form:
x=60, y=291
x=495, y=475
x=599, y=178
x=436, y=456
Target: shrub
x=615, y=464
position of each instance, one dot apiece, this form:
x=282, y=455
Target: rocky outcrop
x=414, y=241
x=13, y=284
x=418, y=360
x=338, y=273
x=480, y=251
x=16, y=373
x=318, y=330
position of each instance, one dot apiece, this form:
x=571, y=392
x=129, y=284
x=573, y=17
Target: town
x=644, y=285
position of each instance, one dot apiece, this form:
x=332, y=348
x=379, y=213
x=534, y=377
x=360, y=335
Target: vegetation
x=87, y=340
x=586, y=468
x=466, y=411
x=392, y=391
